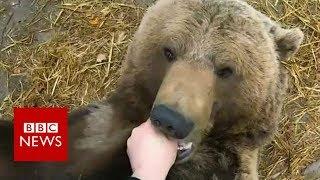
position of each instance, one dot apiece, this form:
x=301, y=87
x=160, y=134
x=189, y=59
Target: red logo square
x=40, y=134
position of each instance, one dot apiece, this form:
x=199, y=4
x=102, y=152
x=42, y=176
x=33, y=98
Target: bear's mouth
x=185, y=150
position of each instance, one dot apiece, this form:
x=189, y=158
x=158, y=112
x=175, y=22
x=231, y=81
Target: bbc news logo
x=40, y=134
x=36, y=141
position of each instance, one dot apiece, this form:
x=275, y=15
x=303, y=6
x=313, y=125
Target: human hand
x=150, y=152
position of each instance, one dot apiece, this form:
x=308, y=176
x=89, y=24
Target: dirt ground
x=68, y=53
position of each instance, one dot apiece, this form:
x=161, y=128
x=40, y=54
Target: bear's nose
x=171, y=121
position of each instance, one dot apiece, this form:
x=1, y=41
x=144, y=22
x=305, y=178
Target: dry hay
x=80, y=64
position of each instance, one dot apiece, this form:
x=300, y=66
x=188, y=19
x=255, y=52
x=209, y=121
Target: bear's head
x=208, y=64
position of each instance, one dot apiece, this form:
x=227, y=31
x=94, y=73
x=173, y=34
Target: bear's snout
x=171, y=122
x=184, y=101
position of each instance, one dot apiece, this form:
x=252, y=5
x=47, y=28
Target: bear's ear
x=287, y=41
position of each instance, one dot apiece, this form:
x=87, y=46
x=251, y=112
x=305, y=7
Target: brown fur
x=208, y=35
x=233, y=116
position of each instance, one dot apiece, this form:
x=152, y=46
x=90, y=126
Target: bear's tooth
x=188, y=145
x=184, y=146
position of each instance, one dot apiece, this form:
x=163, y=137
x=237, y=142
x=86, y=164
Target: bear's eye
x=224, y=72
x=169, y=54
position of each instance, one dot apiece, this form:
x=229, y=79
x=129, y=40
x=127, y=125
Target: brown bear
x=206, y=72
